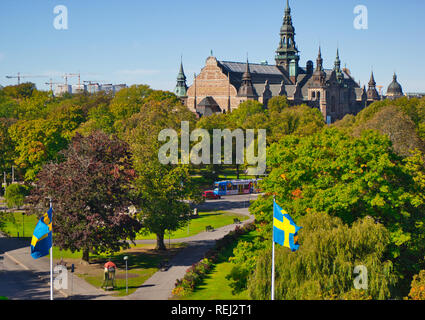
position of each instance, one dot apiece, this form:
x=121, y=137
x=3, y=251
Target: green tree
x=323, y=267
x=6, y=145
x=161, y=189
x=23, y=90
x=15, y=195
x=278, y=104
x=350, y=178
x=299, y=120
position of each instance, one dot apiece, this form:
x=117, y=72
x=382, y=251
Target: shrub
x=198, y=271
x=15, y=195
x=417, y=291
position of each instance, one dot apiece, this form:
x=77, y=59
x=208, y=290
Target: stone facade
x=333, y=91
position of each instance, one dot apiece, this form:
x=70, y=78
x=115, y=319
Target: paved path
x=22, y=277
x=160, y=285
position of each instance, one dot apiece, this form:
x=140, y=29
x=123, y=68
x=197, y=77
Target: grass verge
x=215, y=286
x=198, y=224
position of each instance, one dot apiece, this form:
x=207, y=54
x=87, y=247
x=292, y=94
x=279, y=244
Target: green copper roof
x=181, y=87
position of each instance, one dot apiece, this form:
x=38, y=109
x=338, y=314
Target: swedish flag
x=285, y=231
x=42, y=237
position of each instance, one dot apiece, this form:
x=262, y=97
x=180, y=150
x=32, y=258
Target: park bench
x=236, y=221
x=209, y=228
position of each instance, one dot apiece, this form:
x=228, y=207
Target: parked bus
x=232, y=187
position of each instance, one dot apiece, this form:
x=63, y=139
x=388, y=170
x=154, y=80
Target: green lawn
x=215, y=286
x=197, y=224
x=141, y=266
x=142, y=261
x=16, y=221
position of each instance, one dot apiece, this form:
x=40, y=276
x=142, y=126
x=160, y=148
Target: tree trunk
x=160, y=245
x=86, y=255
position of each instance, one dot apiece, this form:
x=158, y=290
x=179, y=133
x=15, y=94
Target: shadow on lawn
x=136, y=260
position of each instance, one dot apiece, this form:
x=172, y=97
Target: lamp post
x=23, y=224
x=126, y=274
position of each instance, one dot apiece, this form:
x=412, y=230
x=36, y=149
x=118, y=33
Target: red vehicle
x=210, y=195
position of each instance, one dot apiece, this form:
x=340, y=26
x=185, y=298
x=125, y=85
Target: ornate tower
x=247, y=89
x=319, y=75
x=372, y=93
x=337, y=68
x=181, y=87
x=287, y=50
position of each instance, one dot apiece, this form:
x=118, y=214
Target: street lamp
x=126, y=275
x=23, y=224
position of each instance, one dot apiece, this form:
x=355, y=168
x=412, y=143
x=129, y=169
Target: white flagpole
x=51, y=260
x=274, y=199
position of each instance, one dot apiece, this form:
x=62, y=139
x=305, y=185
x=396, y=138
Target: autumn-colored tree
x=397, y=125
x=40, y=140
x=417, y=290
x=91, y=193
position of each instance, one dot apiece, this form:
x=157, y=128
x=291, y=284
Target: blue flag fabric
x=285, y=231
x=42, y=237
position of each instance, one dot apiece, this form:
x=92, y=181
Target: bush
x=198, y=271
x=417, y=291
x=15, y=195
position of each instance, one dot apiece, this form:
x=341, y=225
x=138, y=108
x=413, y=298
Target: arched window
x=318, y=95
x=313, y=95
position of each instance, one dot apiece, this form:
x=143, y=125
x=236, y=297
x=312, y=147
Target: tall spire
x=319, y=60
x=287, y=49
x=319, y=75
x=372, y=82
x=247, y=89
x=247, y=74
x=181, y=87
x=372, y=93
x=337, y=67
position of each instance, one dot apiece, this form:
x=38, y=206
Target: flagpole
x=274, y=199
x=51, y=259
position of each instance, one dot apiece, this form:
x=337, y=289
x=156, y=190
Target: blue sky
x=141, y=41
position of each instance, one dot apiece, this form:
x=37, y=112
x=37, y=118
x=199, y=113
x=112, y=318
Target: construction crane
x=380, y=90
x=70, y=75
x=19, y=77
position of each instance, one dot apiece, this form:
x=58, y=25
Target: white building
x=78, y=88
x=93, y=88
x=62, y=89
